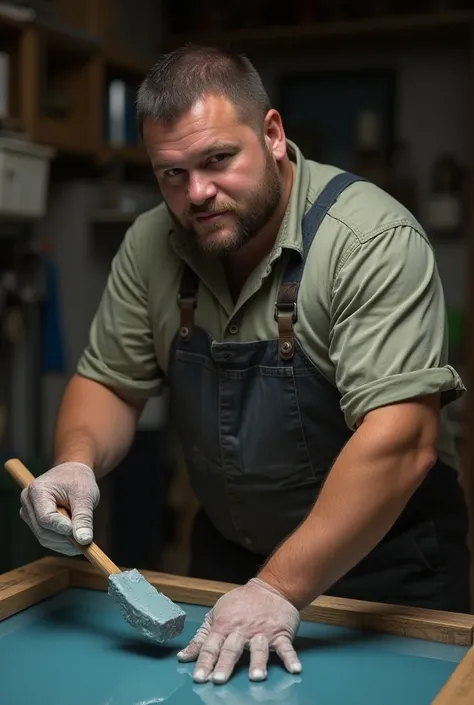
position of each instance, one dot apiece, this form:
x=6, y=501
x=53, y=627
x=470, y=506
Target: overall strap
x=187, y=301
x=286, y=311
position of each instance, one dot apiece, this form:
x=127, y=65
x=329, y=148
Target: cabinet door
x=22, y=184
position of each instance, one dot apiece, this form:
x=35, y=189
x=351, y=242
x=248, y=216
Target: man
x=296, y=315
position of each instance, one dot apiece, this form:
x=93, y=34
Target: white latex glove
x=254, y=616
x=69, y=485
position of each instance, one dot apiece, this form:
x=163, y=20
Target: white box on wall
x=24, y=177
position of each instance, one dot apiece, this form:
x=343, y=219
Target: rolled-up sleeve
x=388, y=333
x=120, y=353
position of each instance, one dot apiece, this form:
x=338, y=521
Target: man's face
x=219, y=179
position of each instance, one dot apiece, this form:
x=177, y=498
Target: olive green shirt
x=371, y=312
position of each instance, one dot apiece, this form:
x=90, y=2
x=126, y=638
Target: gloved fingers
x=82, y=507
x=230, y=652
x=208, y=655
x=191, y=652
x=48, y=539
x=284, y=649
x=259, y=653
x=39, y=503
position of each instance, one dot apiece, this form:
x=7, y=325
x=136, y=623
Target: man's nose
x=200, y=189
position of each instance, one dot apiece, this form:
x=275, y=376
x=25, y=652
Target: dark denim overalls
x=260, y=428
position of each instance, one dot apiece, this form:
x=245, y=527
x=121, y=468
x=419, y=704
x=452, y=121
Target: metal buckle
x=285, y=308
x=186, y=300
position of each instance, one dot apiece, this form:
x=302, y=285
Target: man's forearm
x=366, y=490
x=94, y=426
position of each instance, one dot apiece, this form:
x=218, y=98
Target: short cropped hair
x=182, y=77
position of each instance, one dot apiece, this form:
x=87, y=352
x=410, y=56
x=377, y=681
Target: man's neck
x=239, y=265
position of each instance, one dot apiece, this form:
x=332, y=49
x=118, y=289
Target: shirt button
x=233, y=329
x=248, y=541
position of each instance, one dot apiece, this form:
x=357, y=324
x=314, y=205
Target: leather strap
x=285, y=315
x=187, y=302
x=286, y=309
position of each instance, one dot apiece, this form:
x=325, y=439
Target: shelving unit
x=299, y=38
x=58, y=79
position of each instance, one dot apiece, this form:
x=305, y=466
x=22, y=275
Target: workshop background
x=383, y=88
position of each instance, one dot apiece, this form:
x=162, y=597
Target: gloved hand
x=282, y=689
x=255, y=616
x=69, y=485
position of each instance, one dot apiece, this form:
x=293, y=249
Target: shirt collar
x=290, y=234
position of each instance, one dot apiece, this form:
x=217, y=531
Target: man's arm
x=95, y=426
x=387, y=343
x=366, y=490
x=389, y=349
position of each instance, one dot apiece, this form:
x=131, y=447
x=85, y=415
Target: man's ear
x=274, y=134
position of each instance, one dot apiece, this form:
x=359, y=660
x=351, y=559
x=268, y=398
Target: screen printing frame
x=26, y=586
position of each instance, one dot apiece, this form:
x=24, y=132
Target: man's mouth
x=209, y=217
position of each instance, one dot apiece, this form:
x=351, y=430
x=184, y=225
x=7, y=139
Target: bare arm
x=366, y=490
x=95, y=426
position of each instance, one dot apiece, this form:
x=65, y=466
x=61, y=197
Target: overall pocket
x=194, y=402
x=260, y=426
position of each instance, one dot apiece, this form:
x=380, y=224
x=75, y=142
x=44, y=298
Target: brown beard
x=258, y=211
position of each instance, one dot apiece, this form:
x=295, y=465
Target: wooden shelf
x=70, y=43
x=9, y=25
x=58, y=77
x=85, y=16
x=8, y=29
x=55, y=93
x=68, y=95
x=300, y=37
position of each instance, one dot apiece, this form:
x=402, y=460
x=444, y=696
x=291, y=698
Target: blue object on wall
x=120, y=116
x=54, y=358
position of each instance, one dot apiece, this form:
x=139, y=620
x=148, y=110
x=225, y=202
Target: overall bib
x=260, y=428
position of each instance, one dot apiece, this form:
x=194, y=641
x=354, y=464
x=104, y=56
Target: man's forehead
x=195, y=143
x=212, y=112
x=166, y=157
x=213, y=105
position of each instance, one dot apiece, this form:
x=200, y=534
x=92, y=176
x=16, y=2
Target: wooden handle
x=92, y=552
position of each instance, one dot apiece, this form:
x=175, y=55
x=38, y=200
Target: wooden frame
x=26, y=586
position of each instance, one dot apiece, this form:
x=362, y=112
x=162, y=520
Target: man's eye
x=219, y=158
x=170, y=173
